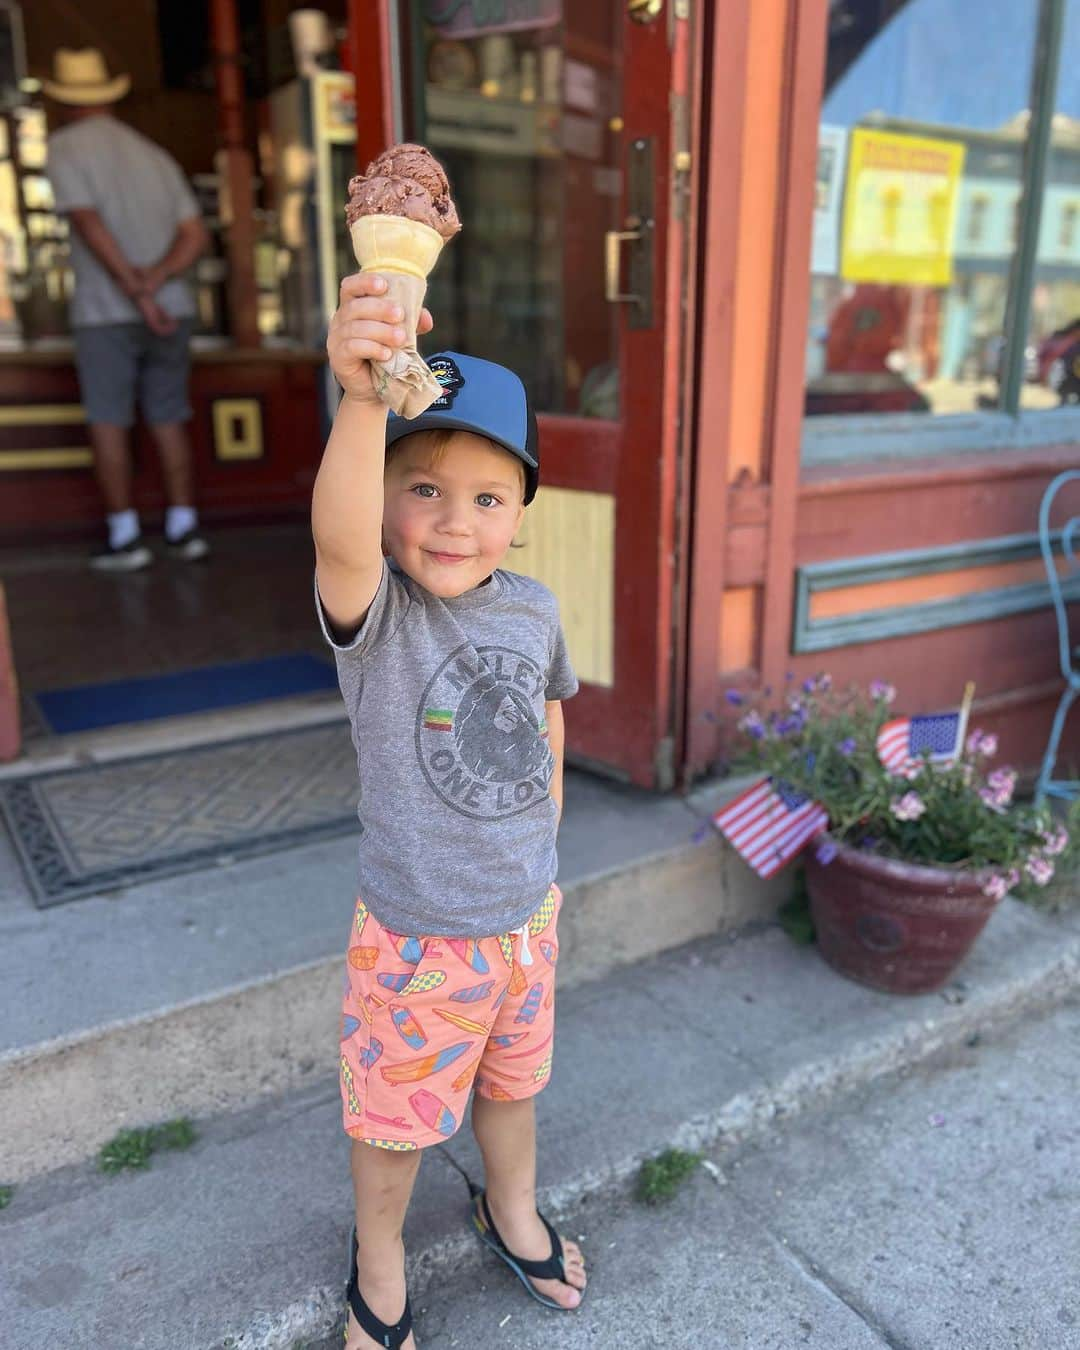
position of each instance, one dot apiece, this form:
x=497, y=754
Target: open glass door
x=552, y=119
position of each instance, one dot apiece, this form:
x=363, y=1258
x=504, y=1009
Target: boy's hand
x=366, y=327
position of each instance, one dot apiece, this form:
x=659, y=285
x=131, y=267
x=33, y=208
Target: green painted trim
x=906, y=620
x=917, y=562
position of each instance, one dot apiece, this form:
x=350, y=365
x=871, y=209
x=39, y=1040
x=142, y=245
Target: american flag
x=906, y=741
x=768, y=824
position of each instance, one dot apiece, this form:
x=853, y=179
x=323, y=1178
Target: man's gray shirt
x=140, y=193
x=446, y=702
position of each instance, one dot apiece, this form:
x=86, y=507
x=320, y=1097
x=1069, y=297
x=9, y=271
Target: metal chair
x=1069, y=536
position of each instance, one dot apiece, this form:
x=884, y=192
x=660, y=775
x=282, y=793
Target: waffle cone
x=404, y=252
x=394, y=244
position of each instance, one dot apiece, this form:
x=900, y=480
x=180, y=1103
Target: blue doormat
x=86, y=707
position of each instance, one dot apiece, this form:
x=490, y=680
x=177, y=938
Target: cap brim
x=438, y=421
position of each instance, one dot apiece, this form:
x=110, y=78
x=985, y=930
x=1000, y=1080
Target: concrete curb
x=51, y=1098
x=745, y=1115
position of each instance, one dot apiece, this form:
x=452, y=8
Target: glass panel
x=920, y=149
x=1052, y=355
x=520, y=100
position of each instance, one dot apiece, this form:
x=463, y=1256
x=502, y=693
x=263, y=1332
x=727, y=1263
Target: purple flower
x=908, y=807
x=752, y=725
x=1040, y=870
x=824, y=682
x=996, y=887
x=734, y=698
x=882, y=692
x=809, y=685
x=847, y=746
x=824, y=850
x=811, y=760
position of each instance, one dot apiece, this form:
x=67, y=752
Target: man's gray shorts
x=119, y=361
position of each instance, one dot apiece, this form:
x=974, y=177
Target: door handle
x=613, y=242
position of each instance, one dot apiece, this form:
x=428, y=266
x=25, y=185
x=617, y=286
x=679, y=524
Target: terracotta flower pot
x=894, y=925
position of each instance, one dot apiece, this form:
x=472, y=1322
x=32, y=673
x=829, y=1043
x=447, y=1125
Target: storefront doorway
x=555, y=122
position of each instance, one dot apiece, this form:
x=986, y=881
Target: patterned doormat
x=82, y=831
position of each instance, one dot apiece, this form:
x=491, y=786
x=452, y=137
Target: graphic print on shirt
x=481, y=745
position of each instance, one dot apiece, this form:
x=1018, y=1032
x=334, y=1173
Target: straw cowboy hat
x=81, y=78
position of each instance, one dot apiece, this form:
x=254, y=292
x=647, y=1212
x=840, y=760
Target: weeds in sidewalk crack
x=133, y=1148
x=660, y=1177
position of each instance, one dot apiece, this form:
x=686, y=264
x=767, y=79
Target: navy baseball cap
x=484, y=398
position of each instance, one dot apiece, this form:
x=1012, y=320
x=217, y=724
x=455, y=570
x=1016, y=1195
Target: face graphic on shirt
x=479, y=733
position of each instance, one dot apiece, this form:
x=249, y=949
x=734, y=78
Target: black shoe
x=129, y=557
x=189, y=547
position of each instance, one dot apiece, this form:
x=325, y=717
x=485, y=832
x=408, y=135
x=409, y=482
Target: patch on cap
x=450, y=377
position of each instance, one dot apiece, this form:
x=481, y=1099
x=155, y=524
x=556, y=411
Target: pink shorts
x=425, y=1019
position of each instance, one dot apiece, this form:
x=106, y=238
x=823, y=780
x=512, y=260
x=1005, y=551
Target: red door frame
x=745, y=534
x=626, y=729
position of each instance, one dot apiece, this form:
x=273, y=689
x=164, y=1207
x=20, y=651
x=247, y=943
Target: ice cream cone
x=404, y=252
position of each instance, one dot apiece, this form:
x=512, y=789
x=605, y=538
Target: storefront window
x=920, y=166
x=520, y=101
x=1052, y=353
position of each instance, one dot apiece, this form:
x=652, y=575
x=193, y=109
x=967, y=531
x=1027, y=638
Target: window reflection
x=921, y=144
x=521, y=102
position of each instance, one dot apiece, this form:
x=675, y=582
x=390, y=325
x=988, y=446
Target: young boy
x=453, y=672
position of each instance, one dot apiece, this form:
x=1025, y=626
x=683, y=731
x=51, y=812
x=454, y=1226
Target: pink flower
x=1012, y=878
x=1040, y=870
x=982, y=743
x=882, y=692
x=996, y=887
x=1003, y=780
x=998, y=793
x=1055, y=841
x=908, y=807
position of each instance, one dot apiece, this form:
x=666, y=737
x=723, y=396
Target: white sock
x=178, y=520
x=123, y=528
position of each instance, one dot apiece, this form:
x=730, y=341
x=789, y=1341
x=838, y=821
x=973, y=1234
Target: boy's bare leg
x=383, y=1182
x=506, y=1133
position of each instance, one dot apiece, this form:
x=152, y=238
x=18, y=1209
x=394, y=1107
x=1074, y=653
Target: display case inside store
x=313, y=147
x=35, y=279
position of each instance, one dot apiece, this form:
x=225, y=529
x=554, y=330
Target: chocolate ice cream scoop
x=406, y=180
x=415, y=162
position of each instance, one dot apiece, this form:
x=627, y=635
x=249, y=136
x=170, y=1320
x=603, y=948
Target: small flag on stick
x=769, y=824
x=905, y=742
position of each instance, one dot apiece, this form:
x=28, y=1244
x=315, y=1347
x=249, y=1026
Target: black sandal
x=390, y=1336
x=554, y=1268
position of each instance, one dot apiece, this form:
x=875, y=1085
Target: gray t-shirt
x=446, y=701
x=140, y=193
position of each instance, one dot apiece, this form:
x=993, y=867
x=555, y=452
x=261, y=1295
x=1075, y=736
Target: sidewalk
x=887, y=1221
x=240, y=1240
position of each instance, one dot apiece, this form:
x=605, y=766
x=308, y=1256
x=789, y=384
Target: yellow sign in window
x=900, y=208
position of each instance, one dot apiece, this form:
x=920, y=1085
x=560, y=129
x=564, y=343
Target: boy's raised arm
x=347, y=502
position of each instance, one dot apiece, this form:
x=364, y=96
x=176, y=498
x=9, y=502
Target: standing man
x=135, y=229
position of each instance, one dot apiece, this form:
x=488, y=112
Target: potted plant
x=920, y=846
